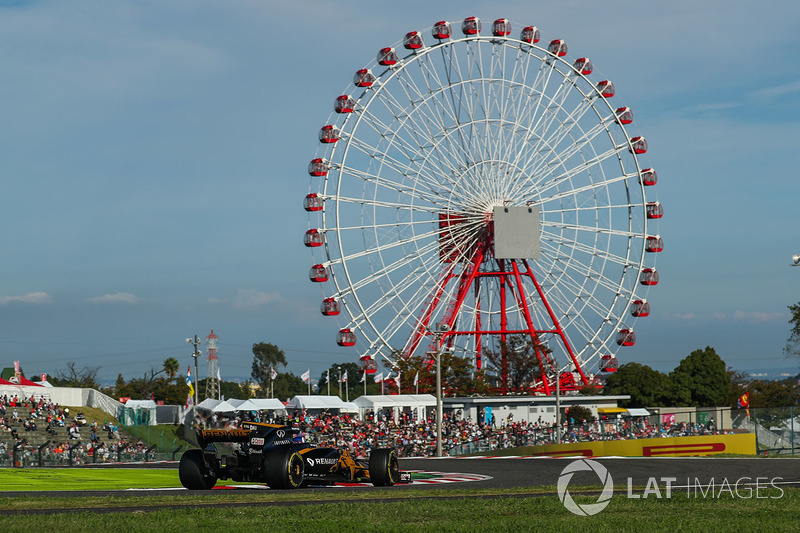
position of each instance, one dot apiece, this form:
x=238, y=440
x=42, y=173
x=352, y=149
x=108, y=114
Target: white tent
x=235, y=402
x=349, y=407
x=223, y=407
x=316, y=403
x=208, y=404
x=397, y=402
x=261, y=404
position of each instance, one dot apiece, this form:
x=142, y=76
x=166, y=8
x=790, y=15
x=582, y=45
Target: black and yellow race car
x=273, y=454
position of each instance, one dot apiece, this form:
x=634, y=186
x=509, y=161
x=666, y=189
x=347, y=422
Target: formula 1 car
x=272, y=454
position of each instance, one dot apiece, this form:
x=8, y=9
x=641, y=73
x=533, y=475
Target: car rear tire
x=283, y=469
x=193, y=473
x=384, y=470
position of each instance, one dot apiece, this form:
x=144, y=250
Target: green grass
x=456, y=508
x=544, y=513
x=12, y=479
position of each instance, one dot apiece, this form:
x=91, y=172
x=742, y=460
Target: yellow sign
x=742, y=444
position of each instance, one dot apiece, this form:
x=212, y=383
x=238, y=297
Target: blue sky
x=154, y=157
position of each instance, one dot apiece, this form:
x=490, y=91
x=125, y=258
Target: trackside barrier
x=741, y=444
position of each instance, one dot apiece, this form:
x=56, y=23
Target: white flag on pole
x=328, y=376
x=273, y=374
x=344, y=377
x=363, y=377
x=306, y=375
x=416, y=379
x=379, y=377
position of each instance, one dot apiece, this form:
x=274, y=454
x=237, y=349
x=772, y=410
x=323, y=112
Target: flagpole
x=364, y=379
x=328, y=380
x=340, y=382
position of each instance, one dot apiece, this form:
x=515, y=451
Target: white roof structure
x=208, y=404
x=316, y=402
x=381, y=401
x=140, y=404
x=234, y=402
x=223, y=407
x=260, y=404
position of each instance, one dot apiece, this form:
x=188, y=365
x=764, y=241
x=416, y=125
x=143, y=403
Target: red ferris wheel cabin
x=608, y=363
x=648, y=177
x=442, y=30
x=501, y=28
x=318, y=167
x=318, y=274
x=624, y=115
x=583, y=65
x=557, y=47
x=471, y=26
x=640, y=308
x=330, y=307
x=639, y=145
x=328, y=134
x=654, y=244
x=626, y=337
x=313, y=202
x=387, y=57
x=413, y=41
x=648, y=276
x=654, y=210
x=530, y=34
x=369, y=365
x=346, y=337
x=606, y=89
x=313, y=238
x=344, y=104
x=363, y=78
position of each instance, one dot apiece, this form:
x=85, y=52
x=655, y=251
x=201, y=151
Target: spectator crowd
x=413, y=437
x=79, y=442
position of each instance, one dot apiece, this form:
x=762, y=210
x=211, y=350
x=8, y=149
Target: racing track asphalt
x=516, y=472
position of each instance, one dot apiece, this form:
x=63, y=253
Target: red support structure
x=512, y=276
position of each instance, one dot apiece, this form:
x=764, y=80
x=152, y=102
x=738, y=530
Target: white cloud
x=253, y=299
x=35, y=298
x=752, y=316
x=116, y=298
x=778, y=90
x=685, y=316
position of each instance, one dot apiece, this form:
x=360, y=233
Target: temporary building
x=260, y=404
x=416, y=403
x=317, y=403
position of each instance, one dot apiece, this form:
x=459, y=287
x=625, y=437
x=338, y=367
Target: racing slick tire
x=193, y=473
x=283, y=469
x=384, y=470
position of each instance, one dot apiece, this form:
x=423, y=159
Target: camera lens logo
x=584, y=465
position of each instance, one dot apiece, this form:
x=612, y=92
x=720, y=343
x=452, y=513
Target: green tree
x=701, y=380
x=85, y=377
x=518, y=359
x=458, y=376
x=266, y=357
x=287, y=385
x=646, y=387
x=337, y=371
x=171, y=367
x=579, y=414
x=792, y=347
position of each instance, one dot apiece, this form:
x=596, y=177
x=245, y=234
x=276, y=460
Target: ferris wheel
x=470, y=187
